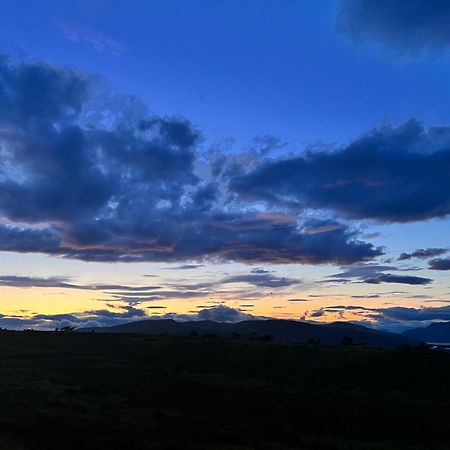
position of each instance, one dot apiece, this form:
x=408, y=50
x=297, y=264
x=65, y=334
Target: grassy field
x=102, y=391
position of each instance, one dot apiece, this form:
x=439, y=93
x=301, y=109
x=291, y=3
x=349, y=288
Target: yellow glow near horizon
x=26, y=302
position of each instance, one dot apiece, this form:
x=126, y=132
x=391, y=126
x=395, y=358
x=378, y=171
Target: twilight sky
x=224, y=160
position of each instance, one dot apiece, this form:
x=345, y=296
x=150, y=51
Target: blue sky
x=237, y=69
x=342, y=93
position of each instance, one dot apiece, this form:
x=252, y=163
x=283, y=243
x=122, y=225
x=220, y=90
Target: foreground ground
x=101, y=391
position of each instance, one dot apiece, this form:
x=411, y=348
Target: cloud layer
x=376, y=274
x=395, y=318
x=118, y=316
x=391, y=174
x=91, y=175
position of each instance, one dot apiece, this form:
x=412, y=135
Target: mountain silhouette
x=271, y=329
x=435, y=332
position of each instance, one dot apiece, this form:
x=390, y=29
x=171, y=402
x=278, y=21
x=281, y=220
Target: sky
x=224, y=160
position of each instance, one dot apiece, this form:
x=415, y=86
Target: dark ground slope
x=118, y=391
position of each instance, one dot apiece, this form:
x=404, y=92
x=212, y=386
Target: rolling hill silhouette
x=435, y=332
x=277, y=329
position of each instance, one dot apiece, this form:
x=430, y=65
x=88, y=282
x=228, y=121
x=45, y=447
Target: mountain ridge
x=280, y=330
x=438, y=332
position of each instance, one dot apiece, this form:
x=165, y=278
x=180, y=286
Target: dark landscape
x=266, y=330
x=115, y=391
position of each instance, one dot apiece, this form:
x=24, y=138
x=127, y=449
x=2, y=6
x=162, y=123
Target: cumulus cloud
x=440, y=264
x=395, y=318
x=391, y=174
x=219, y=313
x=89, y=175
x=223, y=313
x=404, y=27
x=91, y=318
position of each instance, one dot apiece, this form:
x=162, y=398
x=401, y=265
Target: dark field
x=102, y=391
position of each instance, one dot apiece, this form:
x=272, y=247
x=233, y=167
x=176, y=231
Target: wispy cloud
x=92, y=38
x=375, y=274
x=187, y=267
x=260, y=279
x=64, y=283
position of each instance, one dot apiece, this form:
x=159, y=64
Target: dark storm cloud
x=422, y=253
x=375, y=274
x=19, y=238
x=440, y=264
x=244, y=237
x=405, y=27
x=90, y=175
x=392, y=174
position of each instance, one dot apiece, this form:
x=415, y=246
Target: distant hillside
x=278, y=330
x=436, y=332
